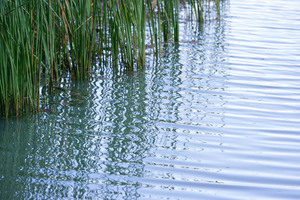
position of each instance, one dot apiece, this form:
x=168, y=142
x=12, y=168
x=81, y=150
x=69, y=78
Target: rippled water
x=217, y=118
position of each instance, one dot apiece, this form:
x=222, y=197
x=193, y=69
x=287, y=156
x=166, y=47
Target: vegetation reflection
x=41, y=40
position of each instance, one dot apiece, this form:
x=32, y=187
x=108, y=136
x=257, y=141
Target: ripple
x=217, y=118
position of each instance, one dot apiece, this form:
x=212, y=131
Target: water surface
x=218, y=117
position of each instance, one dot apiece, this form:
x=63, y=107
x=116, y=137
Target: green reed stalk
x=139, y=16
x=153, y=25
x=19, y=71
x=47, y=37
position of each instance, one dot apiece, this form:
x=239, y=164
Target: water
x=217, y=118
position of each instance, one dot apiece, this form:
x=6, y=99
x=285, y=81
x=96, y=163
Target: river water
x=218, y=117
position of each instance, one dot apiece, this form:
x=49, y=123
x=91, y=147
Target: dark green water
x=217, y=118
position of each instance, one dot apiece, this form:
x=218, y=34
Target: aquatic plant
x=20, y=57
x=40, y=40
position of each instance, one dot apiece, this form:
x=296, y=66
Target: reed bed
x=40, y=40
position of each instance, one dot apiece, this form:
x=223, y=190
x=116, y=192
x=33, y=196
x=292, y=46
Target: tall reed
x=45, y=38
x=20, y=57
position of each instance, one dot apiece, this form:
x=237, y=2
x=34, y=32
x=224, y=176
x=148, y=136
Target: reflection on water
x=89, y=145
x=216, y=118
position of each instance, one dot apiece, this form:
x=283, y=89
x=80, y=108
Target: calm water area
x=218, y=117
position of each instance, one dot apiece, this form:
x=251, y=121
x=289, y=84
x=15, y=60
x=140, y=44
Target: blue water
x=218, y=117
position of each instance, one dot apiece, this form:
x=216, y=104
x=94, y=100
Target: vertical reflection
x=129, y=136
x=164, y=98
x=191, y=75
x=65, y=149
x=89, y=141
x=188, y=84
x=13, y=149
x=186, y=104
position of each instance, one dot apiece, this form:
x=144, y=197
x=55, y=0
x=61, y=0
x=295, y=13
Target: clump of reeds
x=48, y=37
x=20, y=57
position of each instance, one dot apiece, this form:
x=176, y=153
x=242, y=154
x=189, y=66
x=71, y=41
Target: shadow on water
x=13, y=144
x=89, y=141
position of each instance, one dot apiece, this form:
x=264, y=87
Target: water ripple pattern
x=218, y=117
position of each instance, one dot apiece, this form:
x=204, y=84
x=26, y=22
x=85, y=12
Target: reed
x=47, y=38
x=19, y=58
